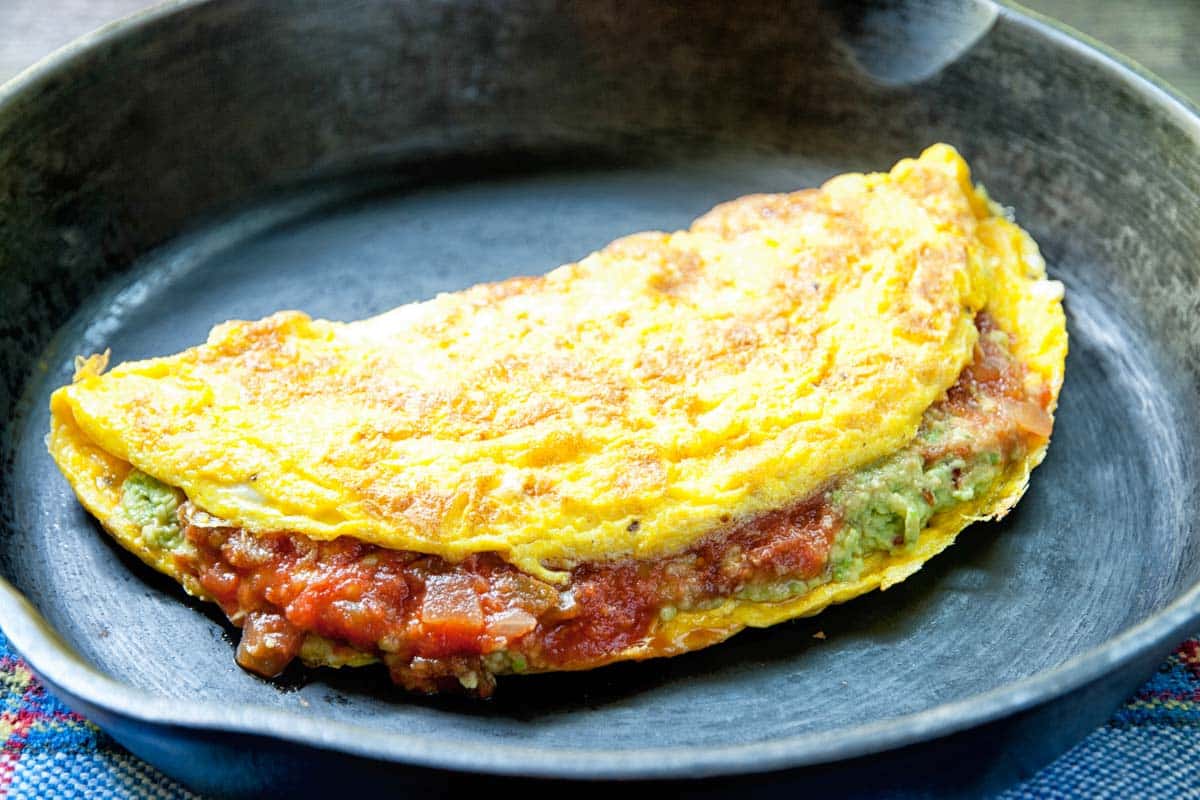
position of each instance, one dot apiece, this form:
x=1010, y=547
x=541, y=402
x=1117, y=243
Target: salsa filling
x=437, y=625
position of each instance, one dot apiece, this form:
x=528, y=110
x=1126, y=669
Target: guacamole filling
x=886, y=507
x=440, y=625
x=153, y=507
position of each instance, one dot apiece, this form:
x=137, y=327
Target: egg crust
x=668, y=392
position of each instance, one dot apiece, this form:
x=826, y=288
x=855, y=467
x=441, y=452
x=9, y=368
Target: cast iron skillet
x=213, y=160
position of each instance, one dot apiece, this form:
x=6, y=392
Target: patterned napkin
x=1150, y=748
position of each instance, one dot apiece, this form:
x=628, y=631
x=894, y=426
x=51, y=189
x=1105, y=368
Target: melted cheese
x=682, y=380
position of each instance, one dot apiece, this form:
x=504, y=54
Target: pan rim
x=71, y=676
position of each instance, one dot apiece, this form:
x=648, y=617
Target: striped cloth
x=1150, y=748
x=51, y=752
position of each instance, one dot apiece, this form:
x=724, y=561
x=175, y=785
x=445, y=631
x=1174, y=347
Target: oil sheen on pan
x=799, y=399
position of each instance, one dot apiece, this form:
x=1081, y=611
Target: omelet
x=799, y=399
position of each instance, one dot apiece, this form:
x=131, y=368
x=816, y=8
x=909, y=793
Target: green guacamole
x=152, y=506
x=503, y=661
x=886, y=506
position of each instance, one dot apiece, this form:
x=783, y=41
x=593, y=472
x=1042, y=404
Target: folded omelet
x=799, y=399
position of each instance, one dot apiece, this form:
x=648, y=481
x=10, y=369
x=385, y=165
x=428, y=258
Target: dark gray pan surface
x=556, y=133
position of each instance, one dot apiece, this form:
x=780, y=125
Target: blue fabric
x=1150, y=748
x=50, y=752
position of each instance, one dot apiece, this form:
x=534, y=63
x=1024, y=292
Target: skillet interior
x=345, y=162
